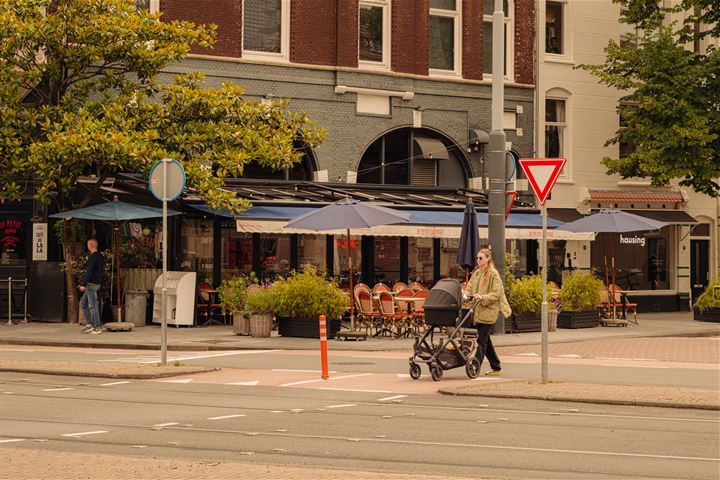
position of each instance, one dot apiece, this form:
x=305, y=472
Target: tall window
x=554, y=28
x=374, y=33
x=626, y=146
x=488, y=9
x=555, y=128
x=628, y=31
x=444, y=36
x=265, y=28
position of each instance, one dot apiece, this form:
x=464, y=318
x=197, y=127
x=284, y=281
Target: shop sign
x=10, y=234
x=634, y=240
x=40, y=242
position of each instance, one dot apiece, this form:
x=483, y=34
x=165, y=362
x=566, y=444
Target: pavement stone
x=32, y=464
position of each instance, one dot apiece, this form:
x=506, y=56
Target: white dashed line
x=251, y=384
x=166, y=424
x=403, y=375
x=387, y=399
x=12, y=440
x=113, y=383
x=322, y=380
x=354, y=390
x=57, y=389
x=186, y=380
x=80, y=434
x=343, y=405
x=226, y=416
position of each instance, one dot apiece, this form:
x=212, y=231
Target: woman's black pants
x=485, y=347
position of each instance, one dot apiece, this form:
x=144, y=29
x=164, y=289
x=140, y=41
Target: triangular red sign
x=513, y=196
x=542, y=173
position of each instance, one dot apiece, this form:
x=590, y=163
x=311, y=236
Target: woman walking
x=486, y=286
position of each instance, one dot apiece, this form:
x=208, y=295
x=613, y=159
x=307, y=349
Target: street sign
x=542, y=174
x=175, y=179
x=513, y=196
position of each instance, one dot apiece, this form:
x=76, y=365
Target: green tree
x=671, y=112
x=80, y=94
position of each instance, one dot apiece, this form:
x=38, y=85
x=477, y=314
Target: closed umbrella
x=612, y=221
x=348, y=214
x=469, y=239
x=115, y=212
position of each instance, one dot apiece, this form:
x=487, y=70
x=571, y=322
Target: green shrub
x=232, y=292
x=706, y=300
x=525, y=296
x=581, y=292
x=309, y=294
x=262, y=300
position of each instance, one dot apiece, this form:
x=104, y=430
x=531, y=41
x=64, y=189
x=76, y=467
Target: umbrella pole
x=613, y=281
x=352, y=295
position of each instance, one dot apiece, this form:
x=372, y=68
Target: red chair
x=620, y=298
x=380, y=287
x=207, y=306
x=418, y=313
x=399, y=286
x=368, y=316
x=393, y=319
x=417, y=287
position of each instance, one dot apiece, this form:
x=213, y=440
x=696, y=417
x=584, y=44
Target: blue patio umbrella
x=612, y=221
x=115, y=212
x=469, y=239
x=347, y=214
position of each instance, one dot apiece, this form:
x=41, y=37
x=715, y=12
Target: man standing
x=91, y=285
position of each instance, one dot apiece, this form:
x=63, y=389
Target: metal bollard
x=25, y=298
x=9, y=280
x=323, y=348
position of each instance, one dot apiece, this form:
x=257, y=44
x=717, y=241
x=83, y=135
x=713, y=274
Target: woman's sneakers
x=490, y=373
x=87, y=329
x=95, y=331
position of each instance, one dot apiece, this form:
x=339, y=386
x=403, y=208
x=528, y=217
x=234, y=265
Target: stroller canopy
x=446, y=294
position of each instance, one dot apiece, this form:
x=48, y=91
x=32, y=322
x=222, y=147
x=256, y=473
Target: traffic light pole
x=496, y=169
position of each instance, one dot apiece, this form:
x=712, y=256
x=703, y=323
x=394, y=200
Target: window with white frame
x=266, y=29
x=374, y=33
x=554, y=28
x=444, y=37
x=488, y=9
x=556, y=129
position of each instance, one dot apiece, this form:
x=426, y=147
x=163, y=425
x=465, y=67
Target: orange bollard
x=323, y=347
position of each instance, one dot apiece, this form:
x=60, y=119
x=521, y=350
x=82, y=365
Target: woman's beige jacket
x=489, y=285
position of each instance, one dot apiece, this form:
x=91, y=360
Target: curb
x=130, y=376
x=596, y=400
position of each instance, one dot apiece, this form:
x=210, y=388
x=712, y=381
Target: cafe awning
x=423, y=224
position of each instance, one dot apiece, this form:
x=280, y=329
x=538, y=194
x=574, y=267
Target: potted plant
x=261, y=302
x=707, y=306
x=232, y=294
x=525, y=299
x=302, y=297
x=580, y=297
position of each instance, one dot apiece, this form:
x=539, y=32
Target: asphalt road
x=263, y=366
x=357, y=430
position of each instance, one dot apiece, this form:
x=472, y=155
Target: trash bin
x=136, y=307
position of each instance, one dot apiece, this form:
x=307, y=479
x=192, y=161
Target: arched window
x=410, y=156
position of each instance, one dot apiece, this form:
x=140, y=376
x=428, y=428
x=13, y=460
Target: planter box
x=709, y=315
x=261, y=324
x=306, y=327
x=582, y=319
x=526, y=322
x=241, y=323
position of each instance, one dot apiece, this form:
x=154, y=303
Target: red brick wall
x=525, y=41
x=226, y=14
x=472, y=45
x=410, y=36
x=314, y=27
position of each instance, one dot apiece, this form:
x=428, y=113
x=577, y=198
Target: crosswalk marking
x=80, y=434
x=226, y=416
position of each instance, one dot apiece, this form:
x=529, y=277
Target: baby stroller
x=443, y=308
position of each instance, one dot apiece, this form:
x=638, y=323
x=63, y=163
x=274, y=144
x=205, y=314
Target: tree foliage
x=671, y=112
x=80, y=94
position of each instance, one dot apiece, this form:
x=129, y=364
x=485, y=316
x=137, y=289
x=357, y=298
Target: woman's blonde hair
x=487, y=253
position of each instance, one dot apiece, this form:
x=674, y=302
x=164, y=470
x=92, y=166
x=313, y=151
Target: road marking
x=58, y=389
x=387, y=399
x=251, y=384
x=293, y=370
x=570, y=355
x=322, y=380
x=196, y=356
x=166, y=424
x=342, y=405
x=632, y=366
x=113, y=383
x=403, y=375
x=185, y=380
x=80, y=434
x=226, y=416
x=354, y=390
x=12, y=440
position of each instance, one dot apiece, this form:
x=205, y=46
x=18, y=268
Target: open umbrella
x=469, y=239
x=347, y=214
x=115, y=212
x=612, y=221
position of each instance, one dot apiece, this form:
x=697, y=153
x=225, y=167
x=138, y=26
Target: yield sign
x=542, y=174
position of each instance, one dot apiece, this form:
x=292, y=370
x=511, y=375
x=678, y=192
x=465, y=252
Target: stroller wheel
x=436, y=373
x=415, y=371
x=472, y=367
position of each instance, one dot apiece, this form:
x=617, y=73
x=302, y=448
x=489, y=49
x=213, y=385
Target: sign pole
x=163, y=328
x=544, y=310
